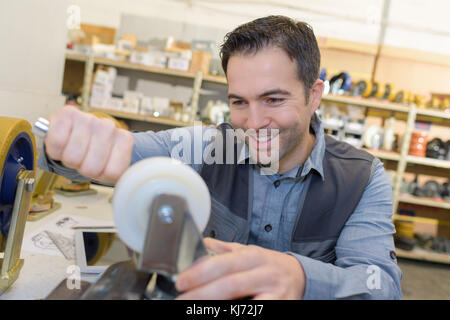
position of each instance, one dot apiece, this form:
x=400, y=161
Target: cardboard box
x=102, y=77
x=100, y=90
x=98, y=101
x=137, y=57
x=115, y=104
x=146, y=106
x=181, y=64
x=132, y=101
x=177, y=46
x=200, y=61
x=161, y=105
x=97, y=34
x=155, y=59
x=131, y=39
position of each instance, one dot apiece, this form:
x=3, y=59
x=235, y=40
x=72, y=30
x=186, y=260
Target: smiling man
x=318, y=228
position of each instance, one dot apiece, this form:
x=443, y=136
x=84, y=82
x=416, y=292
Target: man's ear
x=315, y=95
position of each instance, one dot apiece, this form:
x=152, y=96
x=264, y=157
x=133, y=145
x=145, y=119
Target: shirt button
x=277, y=183
x=212, y=234
x=268, y=228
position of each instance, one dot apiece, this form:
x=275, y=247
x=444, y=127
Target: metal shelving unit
x=370, y=103
x=434, y=166
x=140, y=117
x=90, y=62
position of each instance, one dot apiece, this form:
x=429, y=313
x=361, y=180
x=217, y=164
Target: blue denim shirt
x=365, y=268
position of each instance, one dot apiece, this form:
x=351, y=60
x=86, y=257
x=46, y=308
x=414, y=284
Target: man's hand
x=241, y=271
x=91, y=145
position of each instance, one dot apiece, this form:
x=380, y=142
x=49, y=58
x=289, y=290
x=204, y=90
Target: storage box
x=97, y=34
x=114, y=104
x=200, y=61
x=181, y=64
x=161, y=105
x=102, y=77
x=100, y=90
x=137, y=57
x=146, y=106
x=130, y=39
x=131, y=101
x=98, y=101
x=176, y=46
x=155, y=59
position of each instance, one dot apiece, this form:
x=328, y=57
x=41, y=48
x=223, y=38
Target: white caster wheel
x=138, y=186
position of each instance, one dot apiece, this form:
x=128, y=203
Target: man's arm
x=177, y=143
x=366, y=267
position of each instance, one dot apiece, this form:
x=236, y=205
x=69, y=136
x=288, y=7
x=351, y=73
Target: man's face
x=266, y=93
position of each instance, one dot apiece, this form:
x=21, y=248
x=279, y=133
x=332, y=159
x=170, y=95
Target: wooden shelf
x=370, y=103
x=215, y=79
x=76, y=56
x=436, y=116
x=141, y=67
x=423, y=255
x=387, y=155
x=421, y=220
x=433, y=113
x=140, y=117
x=444, y=164
x=429, y=202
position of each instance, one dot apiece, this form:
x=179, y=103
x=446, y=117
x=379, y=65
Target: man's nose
x=257, y=119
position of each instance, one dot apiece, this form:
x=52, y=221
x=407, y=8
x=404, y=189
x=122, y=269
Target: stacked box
x=131, y=101
x=101, y=91
x=147, y=106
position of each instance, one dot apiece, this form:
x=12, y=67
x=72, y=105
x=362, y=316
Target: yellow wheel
x=435, y=103
x=389, y=92
x=362, y=88
x=401, y=96
x=96, y=245
x=445, y=104
x=381, y=90
x=420, y=101
x=369, y=86
x=17, y=152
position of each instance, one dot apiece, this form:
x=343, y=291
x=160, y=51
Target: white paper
x=39, y=241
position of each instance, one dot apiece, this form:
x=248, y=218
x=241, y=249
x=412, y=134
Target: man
x=319, y=228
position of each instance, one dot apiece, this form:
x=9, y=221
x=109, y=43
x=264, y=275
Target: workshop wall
x=421, y=25
x=32, y=57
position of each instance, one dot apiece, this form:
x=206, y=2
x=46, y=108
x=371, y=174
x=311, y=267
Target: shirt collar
x=315, y=159
x=313, y=162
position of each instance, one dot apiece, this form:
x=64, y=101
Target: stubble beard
x=289, y=139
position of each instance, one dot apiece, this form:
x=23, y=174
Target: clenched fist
x=93, y=146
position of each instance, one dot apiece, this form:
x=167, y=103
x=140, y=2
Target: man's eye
x=274, y=100
x=237, y=102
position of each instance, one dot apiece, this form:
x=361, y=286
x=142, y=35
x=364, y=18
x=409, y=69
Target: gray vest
x=320, y=217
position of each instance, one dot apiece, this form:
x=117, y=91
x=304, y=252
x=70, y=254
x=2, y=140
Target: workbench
x=42, y=273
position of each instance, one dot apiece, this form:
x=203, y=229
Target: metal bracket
x=173, y=241
x=11, y=262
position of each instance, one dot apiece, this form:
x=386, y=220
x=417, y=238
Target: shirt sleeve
x=366, y=265
x=185, y=144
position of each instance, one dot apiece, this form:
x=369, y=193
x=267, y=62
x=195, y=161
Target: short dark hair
x=296, y=38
